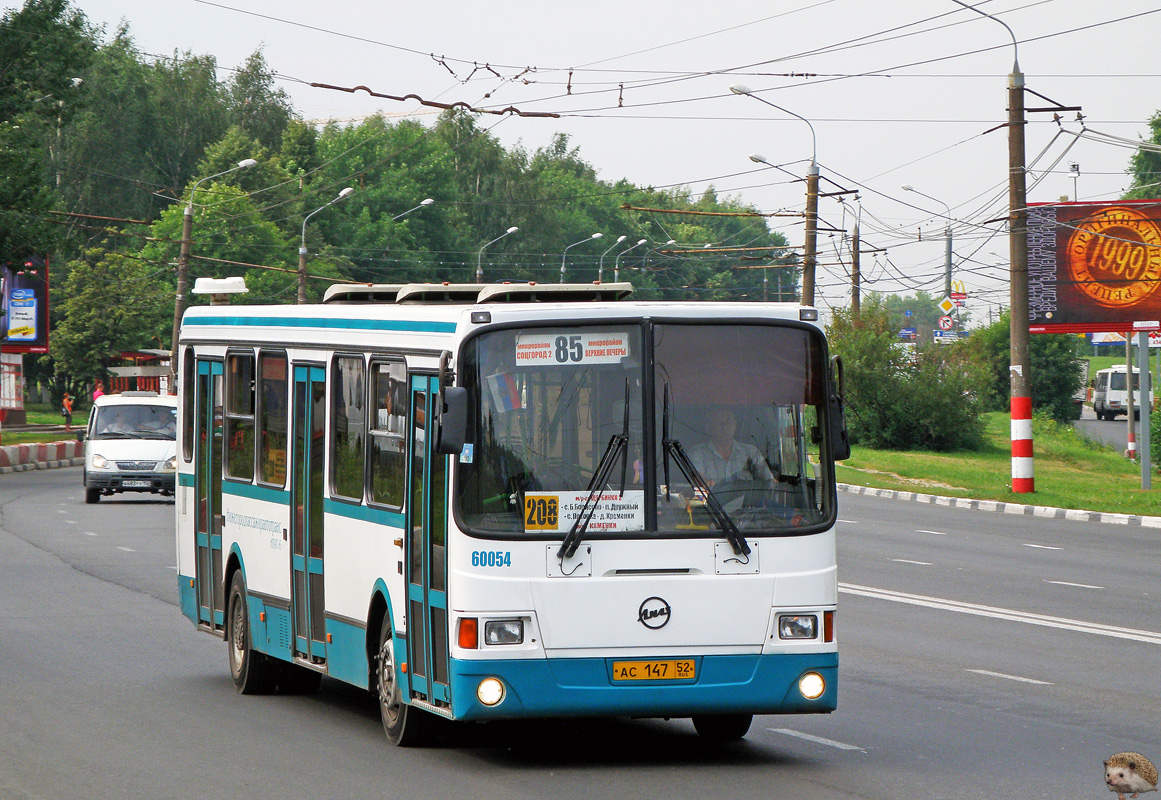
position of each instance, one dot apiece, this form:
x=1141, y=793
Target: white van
x=1110, y=395
x=131, y=445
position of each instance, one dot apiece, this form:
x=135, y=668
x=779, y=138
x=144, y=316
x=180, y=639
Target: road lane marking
x=817, y=739
x=849, y=521
x=1077, y=585
x=908, y=561
x=933, y=533
x=1009, y=677
x=1042, y=546
x=1011, y=615
x=126, y=549
x=91, y=533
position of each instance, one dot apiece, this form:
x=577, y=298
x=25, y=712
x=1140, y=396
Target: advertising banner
x=1094, y=267
x=24, y=306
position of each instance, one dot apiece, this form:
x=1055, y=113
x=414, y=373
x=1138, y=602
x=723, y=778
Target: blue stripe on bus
x=380, y=516
x=410, y=326
x=255, y=492
x=726, y=684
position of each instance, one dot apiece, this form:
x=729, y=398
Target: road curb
x=45, y=455
x=1018, y=509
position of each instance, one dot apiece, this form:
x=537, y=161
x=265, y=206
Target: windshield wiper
x=618, y=447
x=672, y=447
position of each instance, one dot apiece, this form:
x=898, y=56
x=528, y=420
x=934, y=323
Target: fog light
x=490, y=691
x=811, y=685
x=504, y=631
x=797, y=626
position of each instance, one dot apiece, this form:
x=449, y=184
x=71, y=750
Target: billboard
x=1094, y=267
x=24, y=306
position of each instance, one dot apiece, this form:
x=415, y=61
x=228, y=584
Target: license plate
x=679, y=669
x=136, y=484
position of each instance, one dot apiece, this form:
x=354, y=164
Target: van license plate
x=680, y=669
x=136, y=484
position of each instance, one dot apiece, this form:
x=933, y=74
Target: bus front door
x=208, y=574
x=427, y=616
x=306, y=499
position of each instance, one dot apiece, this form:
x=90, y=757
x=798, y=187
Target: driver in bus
x=722, y=458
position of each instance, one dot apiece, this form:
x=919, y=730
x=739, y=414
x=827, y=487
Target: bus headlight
x=797, y=626
x=490, y=691
x=811, y=685
x=504, y=631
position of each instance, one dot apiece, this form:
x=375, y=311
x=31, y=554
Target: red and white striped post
x=1023, y=479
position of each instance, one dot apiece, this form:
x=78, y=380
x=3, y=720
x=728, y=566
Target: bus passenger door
x=306, y=500
x=427, y=617
x=208, y=574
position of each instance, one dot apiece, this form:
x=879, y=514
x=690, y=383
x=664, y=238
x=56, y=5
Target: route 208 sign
x=565, y=349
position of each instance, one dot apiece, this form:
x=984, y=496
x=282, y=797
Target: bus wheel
x=405, y=726
x=253, y=672
x=722, y=727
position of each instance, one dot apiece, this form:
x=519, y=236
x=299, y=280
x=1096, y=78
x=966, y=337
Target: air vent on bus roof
x=472, y=293
x=362, y=293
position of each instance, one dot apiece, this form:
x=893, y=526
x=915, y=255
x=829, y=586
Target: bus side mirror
x=840, y=440
x=453, y=421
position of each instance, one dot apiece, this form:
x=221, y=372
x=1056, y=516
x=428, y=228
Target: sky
x=884, y=92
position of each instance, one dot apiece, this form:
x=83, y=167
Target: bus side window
x=348, y=423
x=272, y=420
x=388, y=464
x=240, y=416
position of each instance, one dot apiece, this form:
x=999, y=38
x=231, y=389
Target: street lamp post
x=810, y=247
x=480, y=255
x=946, y=234
x=601, y=266
x=302, y=249
x=564, y=255
x=617, y=260
x=1023, y=478
x=425, y=202
x=183, y=266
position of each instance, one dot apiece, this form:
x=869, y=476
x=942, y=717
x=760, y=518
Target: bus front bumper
x=726, y=684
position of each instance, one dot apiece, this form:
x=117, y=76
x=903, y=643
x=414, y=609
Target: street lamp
x=946, y=234
x=183, y=266
x=617, y=260
x=655, y=249
x=422, y=203
x=601, y=266
x=811, y=245
x=564, y=255
x=480, y=255
x=302, y=249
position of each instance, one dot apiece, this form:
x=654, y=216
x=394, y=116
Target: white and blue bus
x=487, y=502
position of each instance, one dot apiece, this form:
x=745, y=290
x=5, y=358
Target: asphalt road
x=982, y=655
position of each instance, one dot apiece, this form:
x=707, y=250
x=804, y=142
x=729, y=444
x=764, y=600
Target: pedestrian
x=99, y=391
x=66, y=409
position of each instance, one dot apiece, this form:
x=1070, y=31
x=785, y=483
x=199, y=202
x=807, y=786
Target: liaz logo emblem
x=653, y=613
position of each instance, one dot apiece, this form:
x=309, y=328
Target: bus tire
x=253, y=672
x=405, y=726
x=722, y=727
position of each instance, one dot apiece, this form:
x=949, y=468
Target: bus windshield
x=732, y=438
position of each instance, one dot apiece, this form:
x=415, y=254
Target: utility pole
x=855, y=277
x=182, y=281
x=1023, y=476
x=810, y=249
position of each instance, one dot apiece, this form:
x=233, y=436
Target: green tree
x=43, y=46
x=899, y=398
x=256, y=104
x=1053, y=361
x=188, y=113
x=111, y=303
x=1145, y=165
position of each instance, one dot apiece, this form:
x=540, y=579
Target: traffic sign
x=946, y=323
x=946, y=305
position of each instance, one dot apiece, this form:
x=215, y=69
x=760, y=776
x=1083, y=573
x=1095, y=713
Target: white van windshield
x=125, y=421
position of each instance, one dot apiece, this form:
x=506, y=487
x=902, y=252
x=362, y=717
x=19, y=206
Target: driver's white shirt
x=745, y=463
